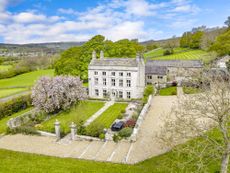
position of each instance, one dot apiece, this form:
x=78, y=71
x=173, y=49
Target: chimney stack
x=101, y=55
x=138, y=56
x=94, y=55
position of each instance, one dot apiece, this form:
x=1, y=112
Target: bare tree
x=203, y=116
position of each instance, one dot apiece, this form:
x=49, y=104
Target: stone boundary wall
x=140, y=119
x=47, y=134
x=86, y=138
x=22, y=119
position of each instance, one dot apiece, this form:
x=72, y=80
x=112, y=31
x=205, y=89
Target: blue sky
x=34, y=21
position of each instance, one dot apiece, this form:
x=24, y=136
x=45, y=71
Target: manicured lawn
x=110, y=115
x=77, y=114
x=3, y=121
x=11, y=91
x=18, y=162
x=168, y=91
x=191, y=90
x=5, y=67
x=25, y=80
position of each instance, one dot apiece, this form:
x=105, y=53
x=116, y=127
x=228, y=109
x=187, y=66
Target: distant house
x=175, y=70
x=117, y=78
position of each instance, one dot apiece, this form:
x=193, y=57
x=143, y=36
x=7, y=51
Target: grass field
x=189, y=55
x=79, y=113
x=5, y=67
x=168, y=91
x=3, y=121
x=12, y=91
x=110, y=115
x=179, y=54
x=25, y=80
x=160, y=52
x=18, y=162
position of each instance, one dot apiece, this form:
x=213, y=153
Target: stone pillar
x=57, y=129
x=94, y=55
x=73, y=128
x=101, y=55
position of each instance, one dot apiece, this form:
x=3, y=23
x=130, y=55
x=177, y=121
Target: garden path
x=145, y=147
x=99, y=112
x=180, y=91
x=5, y=99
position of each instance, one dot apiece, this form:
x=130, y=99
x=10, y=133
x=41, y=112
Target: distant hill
x=163, y=42
x=210, y=35
x=35, y=49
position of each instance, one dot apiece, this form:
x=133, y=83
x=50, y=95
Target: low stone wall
x=22, y=119
x=42, y=133
x=86, y=138
x=140, y=119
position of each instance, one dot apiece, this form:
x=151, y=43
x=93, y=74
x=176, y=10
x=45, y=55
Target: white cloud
x=183, y=23
x=116, y=19
x=186, y=9
x=68, y=11
x=3, y=4
x=31, y=17
x=123, y=30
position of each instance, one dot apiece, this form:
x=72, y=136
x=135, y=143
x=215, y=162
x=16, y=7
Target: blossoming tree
x=52, y=94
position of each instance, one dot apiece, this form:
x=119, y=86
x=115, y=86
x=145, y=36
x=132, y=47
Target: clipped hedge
x=148, y=91
x=15, y=105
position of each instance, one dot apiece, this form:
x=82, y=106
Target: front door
x=113, y=95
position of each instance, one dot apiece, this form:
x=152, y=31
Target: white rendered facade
x=116, y=78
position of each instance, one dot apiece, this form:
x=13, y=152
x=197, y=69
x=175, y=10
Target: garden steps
x=78, y=147
x=99, y=112
x=105, y=154
x=93, y=150
x=121, y=152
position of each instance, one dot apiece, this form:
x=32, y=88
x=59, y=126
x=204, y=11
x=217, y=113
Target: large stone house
x=161, y=71
x=117, y=78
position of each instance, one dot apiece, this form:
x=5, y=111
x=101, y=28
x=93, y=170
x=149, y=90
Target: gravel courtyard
x=123, y=152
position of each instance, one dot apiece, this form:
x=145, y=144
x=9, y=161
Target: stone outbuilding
x=176, y=70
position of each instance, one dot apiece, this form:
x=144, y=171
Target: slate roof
x=127, y=62
x=155, y=70
x=175, y=63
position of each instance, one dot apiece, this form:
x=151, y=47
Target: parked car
x=117, y=126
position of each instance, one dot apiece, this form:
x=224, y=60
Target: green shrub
x=116, y=138
x=120, y=116
x=125, y=132
x=168, y=52
x=94, y=129
x=123, y=111
x=148, y=91
x=135, y=116
x=27, y=130
x=15, y=105
x=102, y=136
x=81, y=130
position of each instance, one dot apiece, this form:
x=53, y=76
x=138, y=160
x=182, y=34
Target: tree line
x=75, y=60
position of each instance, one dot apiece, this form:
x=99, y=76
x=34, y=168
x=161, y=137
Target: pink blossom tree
x=52, y=94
